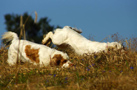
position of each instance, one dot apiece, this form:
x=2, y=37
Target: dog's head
x=116, y=46
x=59, y=60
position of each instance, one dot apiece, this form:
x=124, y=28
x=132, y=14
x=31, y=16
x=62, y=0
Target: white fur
x=67, y=64
x=17, y=50
x=80, y=44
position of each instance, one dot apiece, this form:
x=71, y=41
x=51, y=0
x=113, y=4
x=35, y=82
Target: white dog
x=34, y=53
x=80, y=44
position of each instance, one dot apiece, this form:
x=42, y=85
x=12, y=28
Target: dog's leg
x=47, y=38
x=12, y=57
x=58, y=38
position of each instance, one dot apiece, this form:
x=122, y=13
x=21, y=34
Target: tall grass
x=103, y=71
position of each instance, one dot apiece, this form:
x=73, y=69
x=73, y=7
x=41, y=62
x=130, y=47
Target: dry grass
x=103, y=71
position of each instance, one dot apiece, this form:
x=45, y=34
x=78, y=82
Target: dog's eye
x=58, y=62
x=64, y=61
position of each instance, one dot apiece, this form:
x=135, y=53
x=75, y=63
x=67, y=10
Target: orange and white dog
x=80, y=44
x=34, y=53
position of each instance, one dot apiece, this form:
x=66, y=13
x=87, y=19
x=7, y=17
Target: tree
x=33, y=31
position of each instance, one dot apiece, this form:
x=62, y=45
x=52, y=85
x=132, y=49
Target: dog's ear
x=75, y=29
x=57, y=60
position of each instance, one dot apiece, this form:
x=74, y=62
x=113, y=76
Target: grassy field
x=104, y=71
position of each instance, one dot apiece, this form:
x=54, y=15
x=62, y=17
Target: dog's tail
x=9, y=36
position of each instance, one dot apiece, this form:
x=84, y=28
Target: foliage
x=103, y=71
x=34, y=31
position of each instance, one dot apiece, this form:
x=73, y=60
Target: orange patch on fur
x=57, y=60
x=32, y=53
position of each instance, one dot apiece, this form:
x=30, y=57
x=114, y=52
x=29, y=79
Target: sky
x=96, y=18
